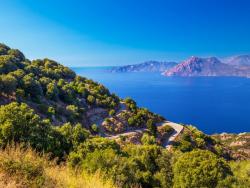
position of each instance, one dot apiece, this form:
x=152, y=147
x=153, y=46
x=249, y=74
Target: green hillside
x=53, y=125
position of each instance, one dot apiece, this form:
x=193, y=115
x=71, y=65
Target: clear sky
x=116, y=32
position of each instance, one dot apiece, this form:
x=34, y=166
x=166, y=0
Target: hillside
x=212, y=66
x=240, y=60
x=54, y=92
x=58, y=129
x=239, y=144
x=149, y=66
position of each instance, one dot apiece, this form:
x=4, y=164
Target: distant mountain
x=149, y=66
x=240, y=60
x=196, y=66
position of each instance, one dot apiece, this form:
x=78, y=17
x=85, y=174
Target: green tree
x=74, y=111
x=52, y=91
x=17, y=54
x=151, y=127
x=19, y=124
x=8, y=84
x=32, y=86
x=200, y=168
x=91, y=99
x=147, y=139
x=112, y=112
x=95, y=128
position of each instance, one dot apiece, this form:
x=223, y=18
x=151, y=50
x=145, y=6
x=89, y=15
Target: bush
x=112, y=112
x=51, y=111
x=74, y=135
x=73, y=110
x=151, y=127
x=148, y=140
x=24, y=167
x=8, y=84
x=91, y=99
x=52, y=91
x=19, y=124
x=200, y=168
x=95, y=128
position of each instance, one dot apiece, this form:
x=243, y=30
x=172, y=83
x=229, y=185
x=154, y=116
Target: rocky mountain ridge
x=148, y=66
x=212, y=66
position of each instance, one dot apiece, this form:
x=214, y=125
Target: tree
x=200, y=168
x=32, y=86
x=17, y=54
x=4, y=49
x=91, y=99
x=52, y=91
x=75, y=135
x=95, y=128
x=147, y=139
x=16, y=123
x=112, y=112
x=7, y=64
x=19, y=124
x=151, y=127
x=74, y=111
x=8, y=84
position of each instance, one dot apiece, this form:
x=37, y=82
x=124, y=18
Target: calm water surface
x=214, y=105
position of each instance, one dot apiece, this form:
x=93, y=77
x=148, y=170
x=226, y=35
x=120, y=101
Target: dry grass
x=21, y=168
x=65, y=178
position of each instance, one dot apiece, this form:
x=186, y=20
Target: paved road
x=167, y=144
x=177, y=130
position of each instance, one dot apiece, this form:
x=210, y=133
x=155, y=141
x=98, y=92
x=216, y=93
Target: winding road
x=178, y=128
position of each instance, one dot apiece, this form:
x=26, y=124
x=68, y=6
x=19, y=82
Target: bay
x=213, y=104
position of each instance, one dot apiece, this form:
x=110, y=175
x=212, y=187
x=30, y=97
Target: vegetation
x=45, y=84
x=146, y=165
x=139, y=117
x=238, y=144
x=48, y=137
x=241, y=170
x=200, y=169
x=25, y=168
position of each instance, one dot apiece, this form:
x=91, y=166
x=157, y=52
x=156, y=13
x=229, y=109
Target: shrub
x=51, y=111
x=52, y=91
x=148, y=140
x=95, y=128
x=200, y=168
x=112, y=112
x=8, y=84
x=91, y=99
x=19, y=124
x=151, y=127
x=24, y=167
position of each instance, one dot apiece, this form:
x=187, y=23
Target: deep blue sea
x=213, y=104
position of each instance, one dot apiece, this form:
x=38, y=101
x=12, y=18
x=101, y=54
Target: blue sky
x=116, y=32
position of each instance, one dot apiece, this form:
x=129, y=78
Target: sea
x=212, y=104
